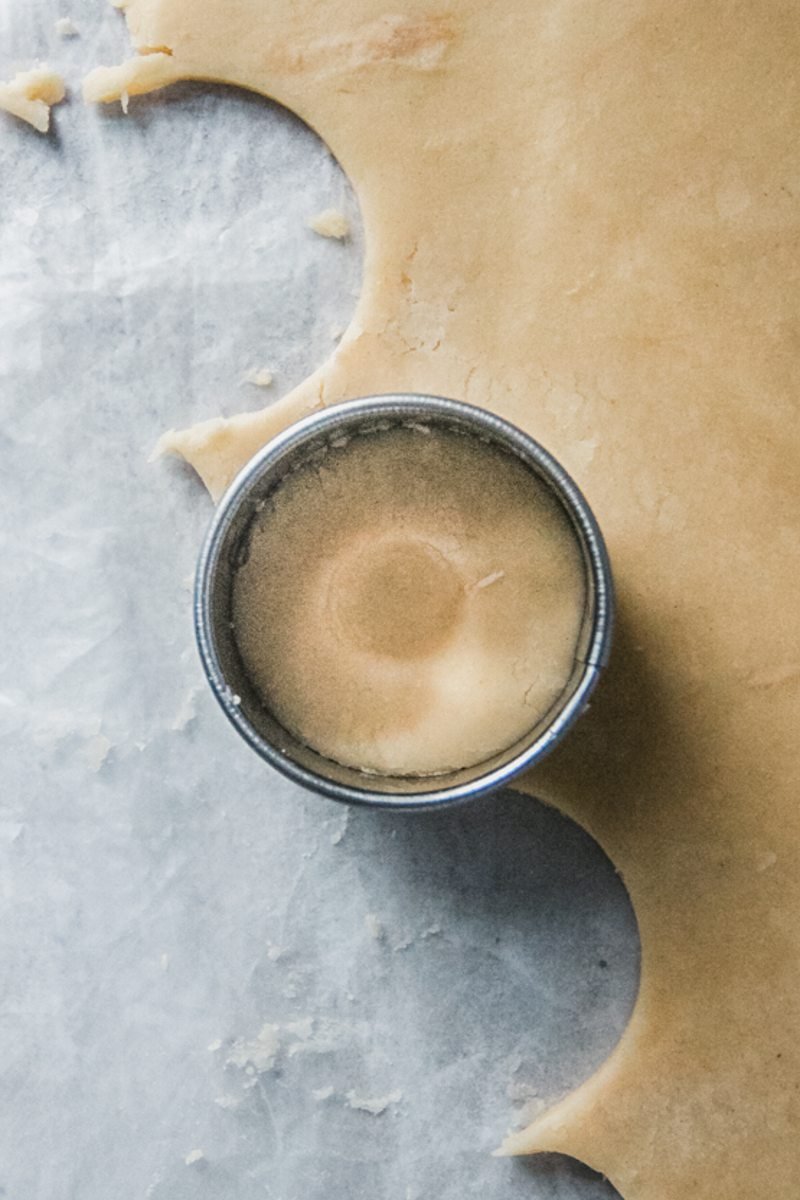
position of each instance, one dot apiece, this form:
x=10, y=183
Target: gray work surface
x=167, y=903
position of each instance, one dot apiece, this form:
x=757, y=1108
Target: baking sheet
x=198, y=960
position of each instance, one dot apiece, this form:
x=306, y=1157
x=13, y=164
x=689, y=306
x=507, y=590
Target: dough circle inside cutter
x=412, y=600
x=394, y=597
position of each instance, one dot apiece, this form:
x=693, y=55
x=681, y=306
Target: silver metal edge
x=394, y=405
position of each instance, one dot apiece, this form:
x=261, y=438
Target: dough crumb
x=330, y=224
x=302, y=1029
x=338, y=834
x=321, y=1094
x=256, y=1055
x=315, y=1036
x=431, y=932
x=66, y=28
x=375, y=927
x=164, y=962
x=373, y=1106
x=531, y=1103
x=227, y=1102
x=31, y=94
x=194, y=1156
x=187, y=711
x=260, y=377
x=98, y=749
x=275, y=952
x=214, y=1046
x=766, y=861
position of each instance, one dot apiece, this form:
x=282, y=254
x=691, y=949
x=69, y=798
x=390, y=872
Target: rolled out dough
x=410, y=602
x=584, y=217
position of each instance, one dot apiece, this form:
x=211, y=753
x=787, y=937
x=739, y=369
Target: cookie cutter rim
x=360, y=414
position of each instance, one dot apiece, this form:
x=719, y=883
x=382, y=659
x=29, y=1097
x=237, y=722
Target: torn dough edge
x=146, y=72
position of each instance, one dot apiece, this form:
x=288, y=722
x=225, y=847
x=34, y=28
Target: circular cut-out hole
x=557, y=1177
x=427, y=982
x=206, y=193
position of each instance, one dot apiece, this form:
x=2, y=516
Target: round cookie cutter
x=222, y=553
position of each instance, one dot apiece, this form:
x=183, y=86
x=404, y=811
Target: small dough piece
x=31, y=94
x=330, y=224
x=260, y=377
x=66, y=28
x=375, y=1106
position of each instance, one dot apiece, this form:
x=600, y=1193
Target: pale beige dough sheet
x=584, y=217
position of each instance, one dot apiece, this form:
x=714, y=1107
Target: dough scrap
x=66, y=28
x=260, y=377
x=590, y=227
x=376, y=1106
x=31, y=94
x=330, y=224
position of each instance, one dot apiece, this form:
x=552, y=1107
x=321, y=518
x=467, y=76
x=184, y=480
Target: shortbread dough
x=330, y=224
x=411, y=601
x=31, y=94
x=584, y=217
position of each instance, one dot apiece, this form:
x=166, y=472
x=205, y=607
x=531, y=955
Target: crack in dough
x=596, y=207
